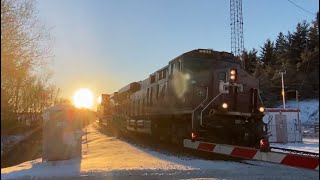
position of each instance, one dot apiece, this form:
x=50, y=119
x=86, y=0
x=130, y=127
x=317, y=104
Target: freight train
x=201, y=95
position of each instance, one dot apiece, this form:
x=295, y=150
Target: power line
x=301, y=7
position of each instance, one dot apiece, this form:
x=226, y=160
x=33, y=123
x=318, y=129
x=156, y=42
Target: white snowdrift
x=309, y=109
x=308, y=145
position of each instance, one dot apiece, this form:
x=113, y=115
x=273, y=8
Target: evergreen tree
x=267, y=53
x=297, y=53
x=299, y=41
x=310, y=62
x=252, y=60
x=281, y=48
x=313, y=36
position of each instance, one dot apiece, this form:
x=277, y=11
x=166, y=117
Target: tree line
x=25, y=54
x=295, y=53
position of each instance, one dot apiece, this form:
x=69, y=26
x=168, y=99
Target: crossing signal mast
x=236, y=23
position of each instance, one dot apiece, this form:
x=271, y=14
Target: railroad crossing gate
x=284, y=125
x=288, y=159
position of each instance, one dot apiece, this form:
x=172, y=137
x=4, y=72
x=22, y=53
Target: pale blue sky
x=106, y=44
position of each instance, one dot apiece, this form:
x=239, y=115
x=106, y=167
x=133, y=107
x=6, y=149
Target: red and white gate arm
x=255, y=154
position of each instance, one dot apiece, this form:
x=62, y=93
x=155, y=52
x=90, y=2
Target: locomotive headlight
x=225, y=105
x=233, y=75
x=187, y=76
x=261, y=109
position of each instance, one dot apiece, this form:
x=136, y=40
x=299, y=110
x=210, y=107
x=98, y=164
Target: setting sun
x=83, y=98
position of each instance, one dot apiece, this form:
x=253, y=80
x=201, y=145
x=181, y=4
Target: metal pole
x=283, y=98
x=299, y=121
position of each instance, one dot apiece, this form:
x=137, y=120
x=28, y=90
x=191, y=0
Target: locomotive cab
x=223, y=96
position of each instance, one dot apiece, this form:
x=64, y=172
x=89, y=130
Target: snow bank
x=309, y=145
x=8, y=141
x=309, y=109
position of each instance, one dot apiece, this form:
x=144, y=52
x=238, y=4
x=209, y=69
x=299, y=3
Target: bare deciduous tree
x=25, y=46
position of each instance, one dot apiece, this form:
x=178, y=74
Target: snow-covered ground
x=309, y=109
x=109, y=157
x=309, y=145
x=309, y=113
x=8, y=141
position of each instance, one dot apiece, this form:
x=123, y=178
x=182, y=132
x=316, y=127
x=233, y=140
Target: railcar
x=200, y=95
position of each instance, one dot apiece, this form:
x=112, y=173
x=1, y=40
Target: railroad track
x=293, y=151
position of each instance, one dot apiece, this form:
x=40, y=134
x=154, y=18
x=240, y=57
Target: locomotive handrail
x=207, y=106
x=198, y=107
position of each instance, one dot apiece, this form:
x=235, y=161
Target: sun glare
x=83, y=98
x=99, y=100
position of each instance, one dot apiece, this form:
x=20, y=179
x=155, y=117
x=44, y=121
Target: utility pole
x=283, y=98
x=299, y=121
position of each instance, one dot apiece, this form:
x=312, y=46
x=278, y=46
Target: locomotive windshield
x=196, y=65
